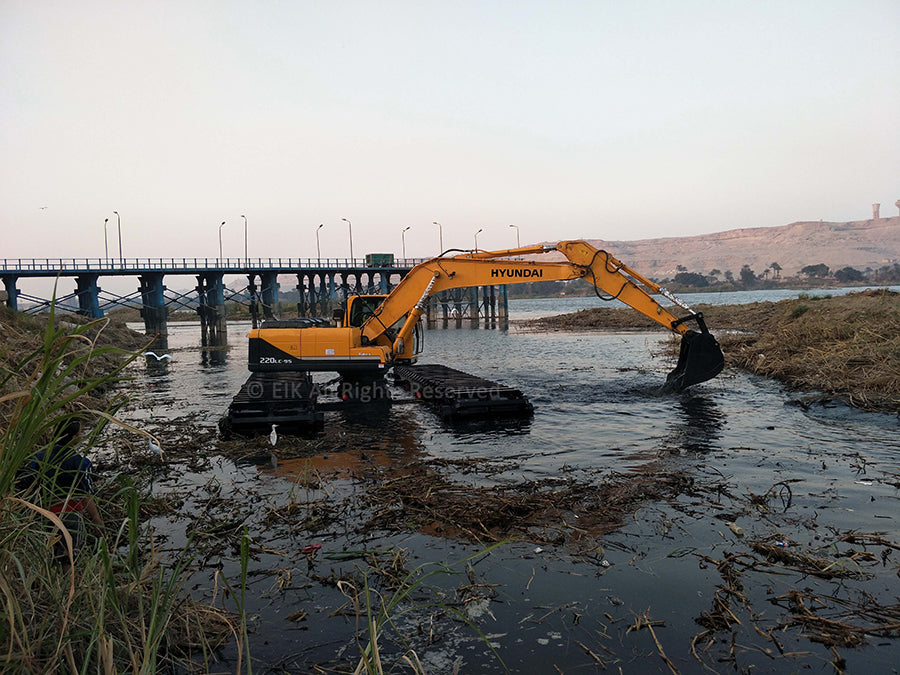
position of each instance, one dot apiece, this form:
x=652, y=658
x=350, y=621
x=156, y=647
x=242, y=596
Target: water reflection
x=214, y=355
x=349, y=448
x=696, y=427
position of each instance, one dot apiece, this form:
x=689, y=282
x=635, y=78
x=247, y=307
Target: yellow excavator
x=375, y=332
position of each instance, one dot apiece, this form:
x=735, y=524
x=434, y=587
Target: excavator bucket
x=701, y=359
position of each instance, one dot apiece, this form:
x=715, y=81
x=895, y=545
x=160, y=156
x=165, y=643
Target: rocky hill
x=860, y=244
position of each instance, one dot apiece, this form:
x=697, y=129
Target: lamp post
x=518, y=242
x=246, y=257
x=119, y=222
x=476, y=238
x=350, y=229
x=220, y=240
x=318, y=248
x=440, y=235
x=105, y=242
x=403, y=237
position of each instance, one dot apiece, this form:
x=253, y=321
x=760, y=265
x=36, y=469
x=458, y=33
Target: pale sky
x=581, y=119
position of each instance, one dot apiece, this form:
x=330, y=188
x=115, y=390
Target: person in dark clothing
x=66, y=482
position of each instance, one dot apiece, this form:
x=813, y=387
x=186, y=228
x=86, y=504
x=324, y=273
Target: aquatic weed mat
x=550, y=511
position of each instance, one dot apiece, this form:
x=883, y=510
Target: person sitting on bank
x=66, y=480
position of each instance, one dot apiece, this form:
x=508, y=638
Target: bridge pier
x=211, y=294
x=254, y=299
x=153, y=304
x=324, y=296
x=88, y=296
x=474, y=304
x=321, y=290
x=12, y=293
x=488, y=302
x=269, y=287
x=345, y=287
x=304, y=289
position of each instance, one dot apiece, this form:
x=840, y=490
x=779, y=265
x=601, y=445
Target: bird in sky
x=273, y=437
x=156, y=356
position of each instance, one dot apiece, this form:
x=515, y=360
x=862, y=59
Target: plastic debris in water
x=737, y=529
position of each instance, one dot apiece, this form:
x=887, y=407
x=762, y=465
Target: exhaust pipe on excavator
x=699, y=360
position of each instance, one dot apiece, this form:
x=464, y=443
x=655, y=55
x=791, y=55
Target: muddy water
x=598, y=411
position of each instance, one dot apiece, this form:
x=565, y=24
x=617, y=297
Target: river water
x=598, y=412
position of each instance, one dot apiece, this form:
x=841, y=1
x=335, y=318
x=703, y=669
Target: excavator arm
x=700, y=359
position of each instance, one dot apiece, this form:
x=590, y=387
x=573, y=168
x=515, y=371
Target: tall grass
x=112, y=606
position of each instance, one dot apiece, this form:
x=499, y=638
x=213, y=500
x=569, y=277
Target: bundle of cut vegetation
x=79, y=593
x=846, y=347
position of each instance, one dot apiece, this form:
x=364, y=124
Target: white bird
x=273, y=437
x=157, y=357
x=154, y=448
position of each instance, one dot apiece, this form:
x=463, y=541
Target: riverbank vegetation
x=811, y=277
x=78, y=596
x=845, y=347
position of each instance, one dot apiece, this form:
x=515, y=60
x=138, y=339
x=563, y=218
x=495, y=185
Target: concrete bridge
x=321, y=283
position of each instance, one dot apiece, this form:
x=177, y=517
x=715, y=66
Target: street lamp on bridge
x=246, y=257
x=476, y=238
x=440, y=235
x=403, y=237
x=220, y=239
x=105, y=242
x=318, y=248
x=350, y=229
x=518, y=241
x=119, y=222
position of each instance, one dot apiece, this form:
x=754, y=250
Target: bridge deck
x=38, y=267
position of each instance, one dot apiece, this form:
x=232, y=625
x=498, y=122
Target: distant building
x=875, y=211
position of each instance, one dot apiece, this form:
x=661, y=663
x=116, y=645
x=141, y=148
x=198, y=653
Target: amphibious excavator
x=374, y=333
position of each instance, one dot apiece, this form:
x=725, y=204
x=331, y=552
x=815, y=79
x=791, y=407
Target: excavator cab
x=700, y=358
x=362, y=307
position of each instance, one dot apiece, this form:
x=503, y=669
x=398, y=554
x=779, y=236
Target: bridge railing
x=131, y=265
